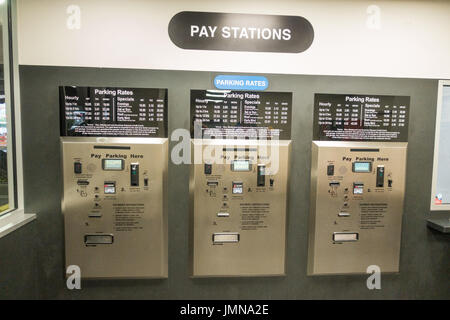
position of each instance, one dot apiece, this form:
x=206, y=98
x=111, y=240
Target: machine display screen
x=113, y=164
x=362, y=166
x=241, y=165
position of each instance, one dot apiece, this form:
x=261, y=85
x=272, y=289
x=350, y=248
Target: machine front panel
x=357, y=205
x=114, y=206
x=239, y=213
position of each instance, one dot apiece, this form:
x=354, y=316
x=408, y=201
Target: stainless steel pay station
x=239, y=186
x=115, y=184
x=357, y=187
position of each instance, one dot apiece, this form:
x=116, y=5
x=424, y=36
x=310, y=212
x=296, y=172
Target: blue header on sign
x=234, y=82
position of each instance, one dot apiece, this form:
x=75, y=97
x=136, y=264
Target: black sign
x=113, y=112
x=348, y=117
x=240, y=32
x=241, y=114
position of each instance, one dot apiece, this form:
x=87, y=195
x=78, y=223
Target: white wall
x=414, y=39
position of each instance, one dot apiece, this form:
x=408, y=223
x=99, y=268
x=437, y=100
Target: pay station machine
x=114, y=161
x=357, y=183
x=239, y=182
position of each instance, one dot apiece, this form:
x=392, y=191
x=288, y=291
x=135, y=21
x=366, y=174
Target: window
x=440, y=190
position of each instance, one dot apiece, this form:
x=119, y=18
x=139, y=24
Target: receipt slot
x=114, y=197
x=238, y=187
x=357, y=187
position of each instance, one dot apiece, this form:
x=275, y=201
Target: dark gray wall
x=32, y=259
